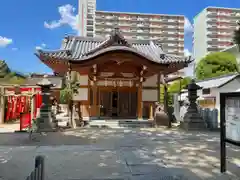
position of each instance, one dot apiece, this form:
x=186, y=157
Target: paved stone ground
x=136, y=154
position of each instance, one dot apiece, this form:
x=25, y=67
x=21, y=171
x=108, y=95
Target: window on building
x=206, y=91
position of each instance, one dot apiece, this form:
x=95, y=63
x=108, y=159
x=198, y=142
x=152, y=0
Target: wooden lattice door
x=127, y=104
x=105, y=100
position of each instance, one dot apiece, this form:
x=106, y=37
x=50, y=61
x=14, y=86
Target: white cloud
x=43, y=45
x=188, y=27
x=187, y=53
x=14, y=49
x=38, y=47
x=67, y=17
x=5, y=41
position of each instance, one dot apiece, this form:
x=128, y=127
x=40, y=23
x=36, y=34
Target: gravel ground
x=118, y=154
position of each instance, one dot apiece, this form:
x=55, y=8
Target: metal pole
x=222, y=134
x=39, y=163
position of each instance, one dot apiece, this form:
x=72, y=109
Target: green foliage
x=178, y=85
x=16, y=80
x=216, y=64
x=174, y=87
x=9, y=77
x=67, y=93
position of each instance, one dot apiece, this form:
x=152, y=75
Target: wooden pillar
x=94, y=96
x=159, y=87
x=140, y=103
x=2, y=105
x=69, y=74
x=32, y=103
x=165, y=93
x=150, y=111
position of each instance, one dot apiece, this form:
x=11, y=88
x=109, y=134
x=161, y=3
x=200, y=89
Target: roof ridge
x=219, y=77
x=86, y=38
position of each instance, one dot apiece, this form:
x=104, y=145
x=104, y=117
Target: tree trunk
x=73, y=122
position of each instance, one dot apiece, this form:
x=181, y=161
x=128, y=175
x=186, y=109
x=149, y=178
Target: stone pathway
x=118, y=154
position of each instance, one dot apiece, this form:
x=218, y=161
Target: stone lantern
x=192, y=119
x=45, y=122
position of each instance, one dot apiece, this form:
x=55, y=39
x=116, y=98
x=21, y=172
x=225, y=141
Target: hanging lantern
x=120, y=83
x=130, y=83
x=17, y=90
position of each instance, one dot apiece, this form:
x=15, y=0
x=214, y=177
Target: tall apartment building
x=213, y=30
x=86, y=17
x=169, y=29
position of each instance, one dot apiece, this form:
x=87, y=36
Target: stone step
x=121, y=123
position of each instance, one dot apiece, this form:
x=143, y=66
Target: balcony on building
x=155, y=20
x=212, y=20
x=100, y=17
x=212, y=12
x=110, y=17
x=155, y=31
x=155, y=25
x=123, y=24
x=124, y=18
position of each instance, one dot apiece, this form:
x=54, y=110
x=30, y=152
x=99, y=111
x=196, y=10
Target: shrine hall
x=118, y=77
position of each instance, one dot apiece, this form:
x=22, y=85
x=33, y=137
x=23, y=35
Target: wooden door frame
x=118, y=89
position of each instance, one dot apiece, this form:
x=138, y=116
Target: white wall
x=151, y=81
x=200, y=36
x=233, y=86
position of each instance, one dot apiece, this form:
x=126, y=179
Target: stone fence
x=210, y=116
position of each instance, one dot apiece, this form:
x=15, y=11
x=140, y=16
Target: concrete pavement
x=118, y=154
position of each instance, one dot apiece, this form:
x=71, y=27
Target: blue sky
x=27, y=24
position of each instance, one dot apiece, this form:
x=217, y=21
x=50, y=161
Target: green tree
x=173, y=88
x=216, y=64
x=66, y=95
x=178, y=85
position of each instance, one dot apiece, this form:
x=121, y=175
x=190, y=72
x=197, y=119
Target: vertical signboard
x=230, y=123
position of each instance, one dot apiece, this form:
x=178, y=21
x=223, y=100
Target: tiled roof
x=83, y=48
x=216, y=82
x=57, y=81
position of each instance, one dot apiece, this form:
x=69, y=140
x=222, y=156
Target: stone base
x=48, y=130
x=193, y=121
x=161, y=119
x=46, y=125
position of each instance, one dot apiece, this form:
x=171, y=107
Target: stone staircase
x=121, y=123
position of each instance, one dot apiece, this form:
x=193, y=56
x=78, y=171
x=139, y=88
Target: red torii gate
x=20, y=103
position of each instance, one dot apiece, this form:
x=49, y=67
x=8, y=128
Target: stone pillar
x=45, y=121
x=150, y=111
x=192, y=119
